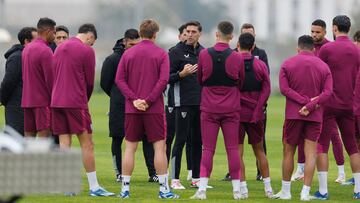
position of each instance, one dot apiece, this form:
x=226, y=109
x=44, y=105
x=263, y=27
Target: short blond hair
x=148, y=28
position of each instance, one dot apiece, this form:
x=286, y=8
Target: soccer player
x=357, y=38
x=221, y=73
x=318, y=32
x=142, y=76
x=11, y=85
x=342, y=57
x=74, y=64
x=37, y=75
x=303, y=116
x=184, y=94
x=254, y=95
x=117, y=105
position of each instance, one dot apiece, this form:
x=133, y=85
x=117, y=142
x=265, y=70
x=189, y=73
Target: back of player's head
x=148, y=28
x=320, y=23
x=86, y=28
x=225, y=29
x=357, y=36
x=45, y=24
x=131, y=34
x=26, y=34
x=62, y=28
x=306, y=42
x=246, y=41
x=181, y=29
x=343, y=23
x=194, y=23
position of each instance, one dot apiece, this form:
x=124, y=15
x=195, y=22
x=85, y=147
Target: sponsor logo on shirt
x=187, y=55
x=183, y=114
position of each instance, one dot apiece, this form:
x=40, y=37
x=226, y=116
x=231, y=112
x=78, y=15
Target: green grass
x=142, y=191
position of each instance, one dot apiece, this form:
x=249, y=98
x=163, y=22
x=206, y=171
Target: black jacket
x=183, y=91
x=257, y=52
x=107, y=83
x=11, y=86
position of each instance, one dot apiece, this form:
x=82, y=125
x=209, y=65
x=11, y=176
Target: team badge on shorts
x=183, y=114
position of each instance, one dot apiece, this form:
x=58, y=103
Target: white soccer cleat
x=269, y=194
x=340, y=179
x=305, y=198
x=200, y=195
x=298, y=175
x=176, y=185
x=282, y=195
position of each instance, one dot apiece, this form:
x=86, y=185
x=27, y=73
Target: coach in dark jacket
x=117, y=105
x=11, y=86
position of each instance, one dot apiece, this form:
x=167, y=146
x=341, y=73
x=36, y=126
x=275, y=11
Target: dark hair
x=357, y=36
x=320, y=23
x=246, y=41
x=226, y=28
x=194, y=23
x=148, y=28
x=343, y=23
x=306, y=42
x=62, y=28
x=26, y=34
x=182, y=28
x=88, y=27
x=131, y=34
x=247, y=26
x=45, y=23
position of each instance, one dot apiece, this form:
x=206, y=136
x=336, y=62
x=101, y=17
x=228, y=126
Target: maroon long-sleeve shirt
x=301, y=78
x=342, y=57
x=252, y=103
x=143, y=73
x=357, y=91
x=220, y=99
x=318, y=46
x=37, y=74
x=74, y=64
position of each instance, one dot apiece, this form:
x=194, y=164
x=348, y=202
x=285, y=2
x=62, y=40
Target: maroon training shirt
x=74, y=64
x=342, y=57
x=357, y=92
x=220, y=99
x=37, y=74
x=318, y=46
x=301, y=78
x=252, y=103
x=143, y=73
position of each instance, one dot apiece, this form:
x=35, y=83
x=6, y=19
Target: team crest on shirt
x=183, y=114
x=170, y=109
x=187, y=55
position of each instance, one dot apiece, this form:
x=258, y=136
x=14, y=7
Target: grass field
x=142, y=191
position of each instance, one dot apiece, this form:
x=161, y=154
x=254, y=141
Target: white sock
x=305, y=191
x=125, y=183
x=243, y=187
x=322, y=175
x=190, y=172
x=341, y=169
x=286, y=187
x=93, y=182
x=301, y=167
x=267, y=184
x=164, y=183
x=236, y=185
x=203, y=183
x=195, y=179
x=357, y=182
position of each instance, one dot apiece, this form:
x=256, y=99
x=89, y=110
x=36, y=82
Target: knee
x=88, y=146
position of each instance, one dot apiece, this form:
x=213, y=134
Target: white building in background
x=287, y=18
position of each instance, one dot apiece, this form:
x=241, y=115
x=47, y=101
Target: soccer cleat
x=176, y=185
x=282, y=195
x=227, y=177
x=168, y=195
x=118, y=178
x=200, y=194
x=189, y=176
x=196, y=184
x=101, y=192
x=351, y=181
x=319, y=196
x=305, y=198
x=298, y=175
x=153, y=179
x=242, y=195
x=259, y=177
x=124, y=195
x=356, y=195
x=269, y=194
x=340, y=179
